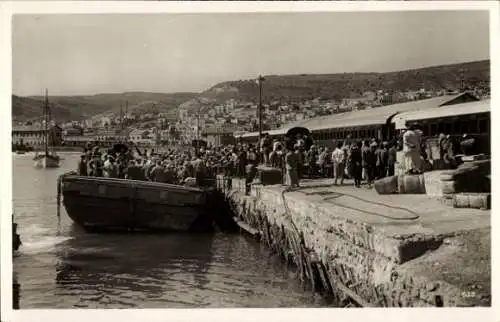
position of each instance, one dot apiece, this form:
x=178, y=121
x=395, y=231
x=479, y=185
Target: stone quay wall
x=348, y=260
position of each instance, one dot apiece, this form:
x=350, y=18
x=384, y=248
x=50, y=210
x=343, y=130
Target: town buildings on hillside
x=213, y=121
x=33, y=135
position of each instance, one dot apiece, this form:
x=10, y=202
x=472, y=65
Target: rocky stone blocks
x=346, y=258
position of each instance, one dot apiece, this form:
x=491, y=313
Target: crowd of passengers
x=366, y=160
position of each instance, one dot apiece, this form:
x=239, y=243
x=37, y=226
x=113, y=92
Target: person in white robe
x=411, y=150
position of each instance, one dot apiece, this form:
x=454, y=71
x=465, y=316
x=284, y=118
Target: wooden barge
x=97, y=203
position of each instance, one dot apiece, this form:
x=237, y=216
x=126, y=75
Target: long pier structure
x=368, y=249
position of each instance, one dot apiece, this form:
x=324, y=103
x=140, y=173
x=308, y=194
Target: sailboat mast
x=46, y=119
x=126, y=111
x=121, y=116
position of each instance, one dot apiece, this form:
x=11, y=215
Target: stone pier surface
x=381, y=250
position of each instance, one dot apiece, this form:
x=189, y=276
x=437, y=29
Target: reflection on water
x=61, y=266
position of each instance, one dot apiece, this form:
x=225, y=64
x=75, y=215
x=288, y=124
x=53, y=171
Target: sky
x=111, y=53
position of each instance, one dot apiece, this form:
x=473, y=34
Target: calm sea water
x=61, y=266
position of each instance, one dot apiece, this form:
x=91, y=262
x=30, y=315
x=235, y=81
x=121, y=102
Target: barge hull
x=99, y=213
x=117, y=204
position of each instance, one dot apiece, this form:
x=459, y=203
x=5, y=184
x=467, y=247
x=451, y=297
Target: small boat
x=99, y=203
x=48, y=158
x=21, y=148
x=47, y=161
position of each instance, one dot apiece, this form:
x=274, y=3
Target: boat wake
x=36, y=240
x=46, y=244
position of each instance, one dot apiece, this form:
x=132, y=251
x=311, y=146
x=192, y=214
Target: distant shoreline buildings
x=211, y=120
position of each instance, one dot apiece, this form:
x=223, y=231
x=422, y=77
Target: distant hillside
x=287, y=87
x=346, y=85
x=80, y=107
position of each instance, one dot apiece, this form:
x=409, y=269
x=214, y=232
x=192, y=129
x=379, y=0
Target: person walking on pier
x=323, y=162
x=355, y=162
x=300, y=159
x=242, y=161
x=441, y=145
x=365, y=146
x=273, y=156
x=265, y=148
x=449, y=152
x=346, y=148
x=235, y=158
x=338, y=160
x=391, y=158
x=276, y=156
x=382, y=154
x=311, y=158
x=291, y=165
x=369, y=161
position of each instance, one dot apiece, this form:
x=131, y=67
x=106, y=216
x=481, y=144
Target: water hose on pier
x=298, y=246
x=288, y=213
x=414, y=215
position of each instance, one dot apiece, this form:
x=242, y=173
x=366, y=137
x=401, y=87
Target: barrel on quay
x=98, y=203
x=386, y=250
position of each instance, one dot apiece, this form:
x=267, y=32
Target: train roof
x=372, y=116
x=378, y=115
x=247, y=134
x=468, y=108
x=280, y=131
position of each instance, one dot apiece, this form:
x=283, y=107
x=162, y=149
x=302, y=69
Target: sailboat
x=46, y=159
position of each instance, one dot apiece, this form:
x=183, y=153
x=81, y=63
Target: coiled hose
x=340, y=194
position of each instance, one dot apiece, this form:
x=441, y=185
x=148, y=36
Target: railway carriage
x=472, y=118
x=454, y=115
